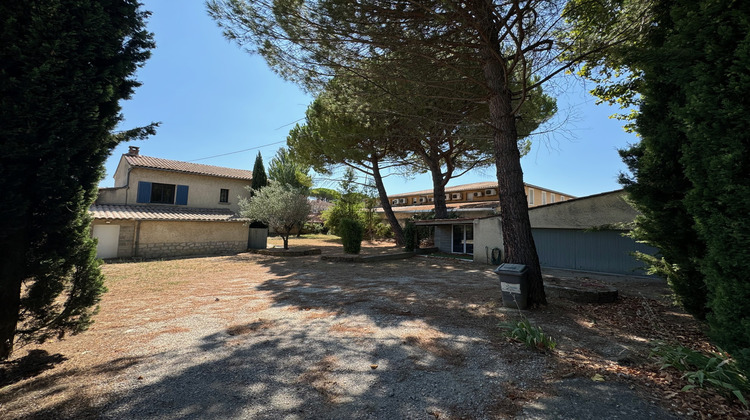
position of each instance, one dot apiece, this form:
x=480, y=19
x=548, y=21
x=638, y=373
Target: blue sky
x=214, y=99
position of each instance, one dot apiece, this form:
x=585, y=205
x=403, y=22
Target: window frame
x=158, y=189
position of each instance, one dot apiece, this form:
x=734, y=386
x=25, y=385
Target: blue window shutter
x=144, y=192
x=182, y=194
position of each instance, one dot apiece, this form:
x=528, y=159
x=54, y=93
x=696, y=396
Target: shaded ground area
x=254, y=336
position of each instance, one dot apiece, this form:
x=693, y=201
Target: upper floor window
x=162, y=193
x=552, y=197
x=544, y=197
x=224, y=195
x=156, y=193
x=531, y=196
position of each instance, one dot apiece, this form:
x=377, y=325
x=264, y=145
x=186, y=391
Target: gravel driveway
x=261, y=337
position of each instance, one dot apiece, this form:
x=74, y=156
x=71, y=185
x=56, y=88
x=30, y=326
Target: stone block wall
x=179, y=249
x=125, y=241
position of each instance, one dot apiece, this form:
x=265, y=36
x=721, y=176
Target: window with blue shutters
x=144, y=192
x=155, y=193
x=182, y=195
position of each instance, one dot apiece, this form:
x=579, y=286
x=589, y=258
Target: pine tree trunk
x=438, y=189
x=398, y=232
x=517, y=238
x=11, y=276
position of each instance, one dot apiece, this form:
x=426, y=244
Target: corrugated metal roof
x=125, y=212
x=186, y=167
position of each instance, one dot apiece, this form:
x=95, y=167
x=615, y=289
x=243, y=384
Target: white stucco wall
x=487, y=235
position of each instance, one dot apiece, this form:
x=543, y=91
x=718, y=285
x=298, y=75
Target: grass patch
x=529, y=334
x=715, y=370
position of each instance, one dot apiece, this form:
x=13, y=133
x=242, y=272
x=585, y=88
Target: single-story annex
x=584, y=234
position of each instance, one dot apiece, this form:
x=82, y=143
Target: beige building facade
x=166, y=208
x=478, y=192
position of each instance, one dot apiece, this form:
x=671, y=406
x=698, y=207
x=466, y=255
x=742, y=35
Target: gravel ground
x=260, y=337
x=324, y=349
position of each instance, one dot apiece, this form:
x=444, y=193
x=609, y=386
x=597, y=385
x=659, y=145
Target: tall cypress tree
x=260, y=179
x=714, y=37
x=658, y=184
x=64, y=67
x=692, y=168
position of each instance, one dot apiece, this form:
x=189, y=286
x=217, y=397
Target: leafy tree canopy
x=503, y=49
x=279, y=206
x=285, y=169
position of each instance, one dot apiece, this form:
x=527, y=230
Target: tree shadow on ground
x=83, y=404
x=29, y=366
x=308, y=374
x=399, y=339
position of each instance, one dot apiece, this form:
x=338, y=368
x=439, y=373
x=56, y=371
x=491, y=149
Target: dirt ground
x=252, y=336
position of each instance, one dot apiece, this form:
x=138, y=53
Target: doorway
x=108, y=237
x=463, y=239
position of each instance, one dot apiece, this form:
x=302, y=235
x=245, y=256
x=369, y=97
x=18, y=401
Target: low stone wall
x=281, y=252
x=178, y=249
x=367, y=258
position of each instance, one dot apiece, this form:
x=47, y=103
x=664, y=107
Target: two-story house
x=164, y=208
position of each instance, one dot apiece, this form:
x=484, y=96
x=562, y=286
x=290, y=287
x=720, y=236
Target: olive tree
x=279, y=206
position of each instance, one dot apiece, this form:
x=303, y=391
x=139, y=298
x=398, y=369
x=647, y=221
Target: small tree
x=260, y=179
x=349, y=205
x=279, y=206
x=285, y=169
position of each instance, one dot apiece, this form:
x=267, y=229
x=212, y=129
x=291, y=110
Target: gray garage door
x=602, y=251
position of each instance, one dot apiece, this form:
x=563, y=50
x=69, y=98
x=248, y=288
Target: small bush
x=410, y=237
x=383, y=231
x=314, y=228
x=714, y=370
x=351, y=232
x=530, y=335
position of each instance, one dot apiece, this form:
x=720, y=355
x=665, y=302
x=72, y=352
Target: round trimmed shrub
x=351, y=232
x=410, y=237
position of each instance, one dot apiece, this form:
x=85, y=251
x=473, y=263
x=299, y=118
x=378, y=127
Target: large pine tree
x=64, y=67
x=505, y=50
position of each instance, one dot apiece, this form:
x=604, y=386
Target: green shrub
x=410, y=237
x=715, y=370
x=383, y=231
x=529, y=334
x=314, y=228
x=351, y=232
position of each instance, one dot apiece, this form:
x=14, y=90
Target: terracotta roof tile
x=483, y=205
x=186, y=167
x=469, y=187
x=125, y=212
x=456, y=188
